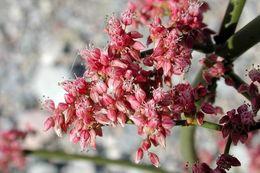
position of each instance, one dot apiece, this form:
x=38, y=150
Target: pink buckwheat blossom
x=120, y=86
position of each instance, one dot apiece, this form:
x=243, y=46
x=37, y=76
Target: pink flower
x=254, y=75
x=49, y=105
x=183, y=95
x=208, y=108
x=167, y=122
x=201, y=168
x=154, y=159
x=157, y=30
x=11, y=151
x=139, y=155
x=122, y=42
x=121, y=118
x=224, y=162
x=48, y=123
x=127, y=17
x=140, y=95
x=121, y=86
x=237, y=124
x=200, y=117
x=214, y=71
x=133, y=102
x=146, y=144
x=158, y=94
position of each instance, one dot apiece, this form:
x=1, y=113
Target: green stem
x=94, y=159
x=241, y=41
x=210, y=125
x=228, y=145
x=205, y=124
x=187, y=144
x=230, y=20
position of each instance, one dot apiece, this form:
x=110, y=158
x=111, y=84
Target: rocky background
x=39, y=43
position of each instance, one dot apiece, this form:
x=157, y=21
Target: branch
x=204, y=48
x=228, y=145
x=255, y=127
x=94, y=159
x=237, y=82
x=230, y=20
x=241, y=41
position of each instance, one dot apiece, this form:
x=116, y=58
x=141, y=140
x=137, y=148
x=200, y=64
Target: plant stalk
x=241, y=41
x=94, y=159
x=228, y=145
x=230, y=21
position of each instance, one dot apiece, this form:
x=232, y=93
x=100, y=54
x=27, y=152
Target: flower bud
x=48, y=123
x=111, y=114
x=167, y=122
x=101, y=87
x=139, y=155
x=121, y=118
x=133, y=102
x=69, y=98
x=208, y=108
x=140, y=95
x=146, y=144
x=102, y=119
x=138, y=46
x=154, y=159
x=49, y=105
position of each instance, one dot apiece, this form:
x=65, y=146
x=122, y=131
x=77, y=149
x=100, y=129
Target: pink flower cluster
x=171, y=52
x=237, y=123
x=251, y=90
x=173, y=42
x=97, y=101
x=181, y=12
x=120, y=86
x=11, y=152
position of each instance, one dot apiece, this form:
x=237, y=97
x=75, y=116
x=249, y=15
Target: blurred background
x=39, y=43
